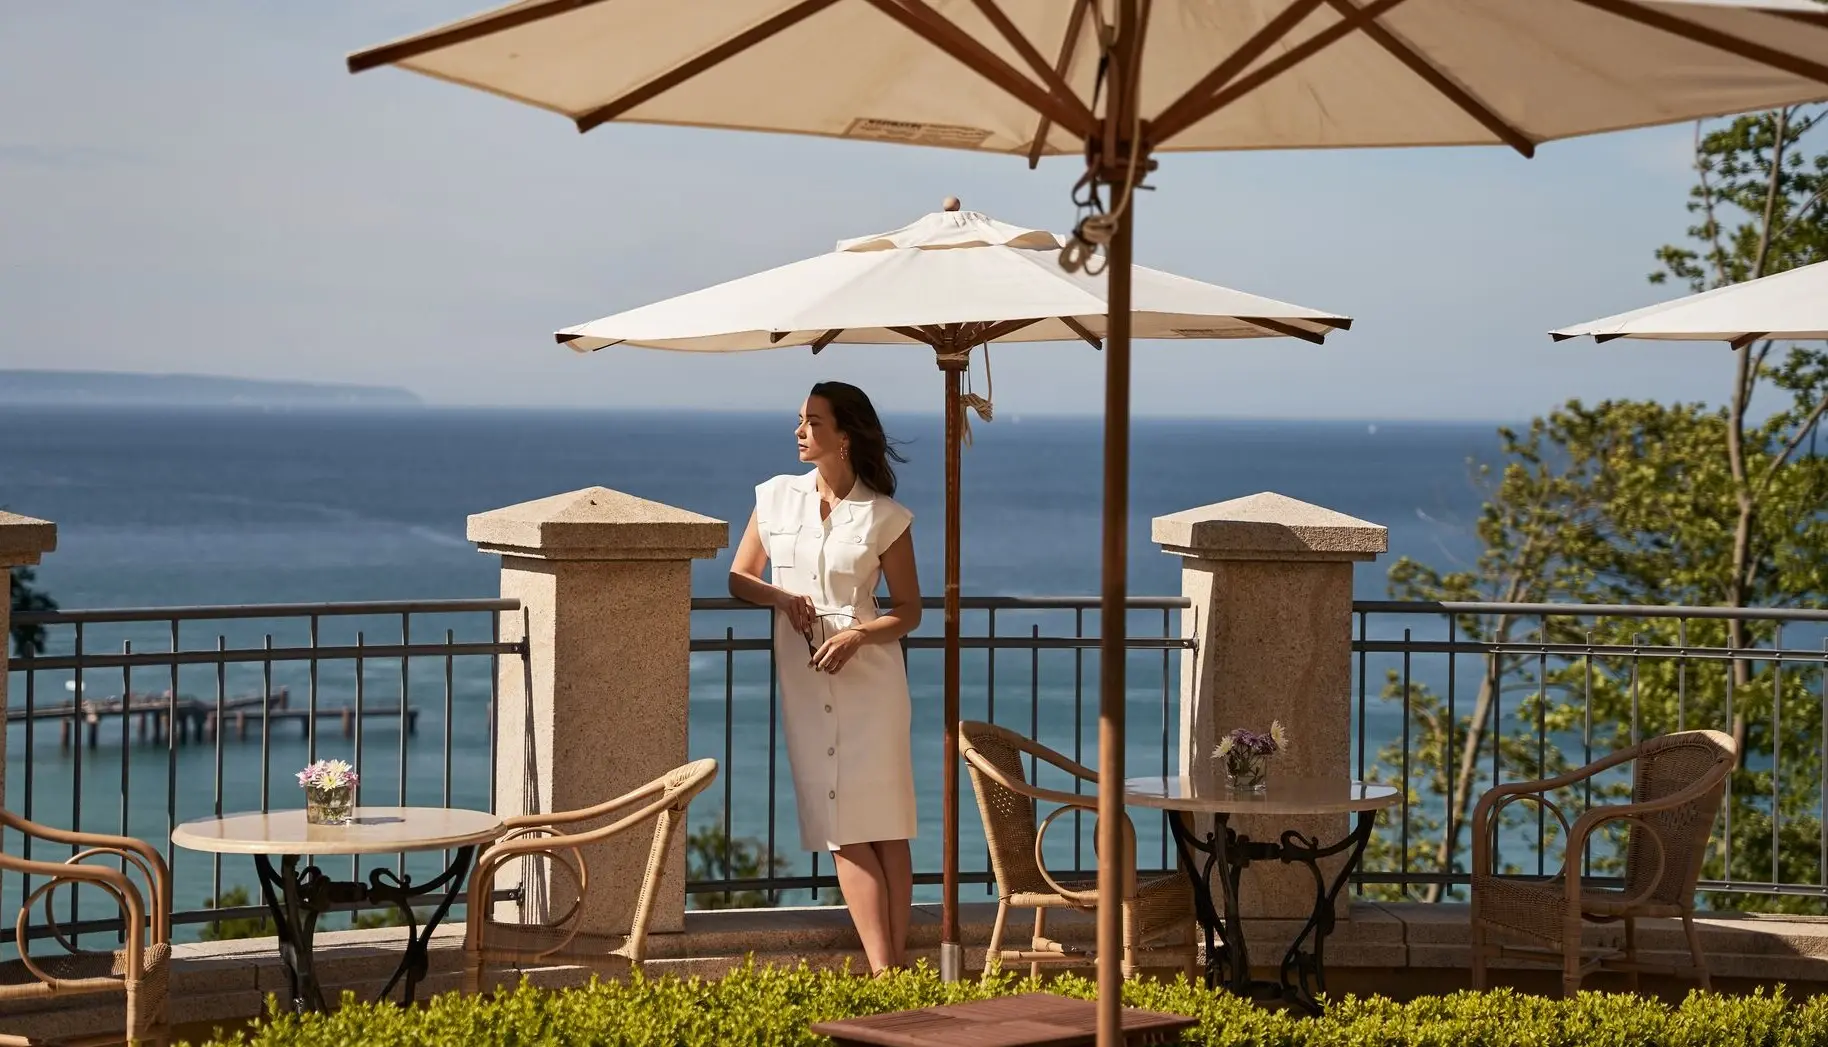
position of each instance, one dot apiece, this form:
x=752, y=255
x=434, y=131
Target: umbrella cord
x=1096, y=228
x=970, y=400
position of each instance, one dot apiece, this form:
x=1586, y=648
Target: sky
x=198, y=186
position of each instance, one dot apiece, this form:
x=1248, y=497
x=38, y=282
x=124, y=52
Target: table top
x=1209, y=794
x=1029, y=1020
x=375, y=830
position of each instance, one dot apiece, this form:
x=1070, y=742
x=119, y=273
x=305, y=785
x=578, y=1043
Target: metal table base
x=297, y=898
x=1302, y=976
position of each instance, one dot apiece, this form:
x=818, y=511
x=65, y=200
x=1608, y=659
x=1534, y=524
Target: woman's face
x=818, y=437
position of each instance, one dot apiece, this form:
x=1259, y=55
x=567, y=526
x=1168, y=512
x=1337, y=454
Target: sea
x=195, y=506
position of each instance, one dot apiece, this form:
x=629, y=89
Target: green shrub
x=772, y=1007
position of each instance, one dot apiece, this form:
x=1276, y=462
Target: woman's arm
x=746, y=581
x=901, y=618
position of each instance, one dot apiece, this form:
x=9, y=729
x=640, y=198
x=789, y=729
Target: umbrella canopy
x=950, y=267
x=1789, y=305
x=1241, y=74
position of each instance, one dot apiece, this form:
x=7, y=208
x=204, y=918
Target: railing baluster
x=730, y=751
x=1403, y=846
x=1542, y=741
x=215, y=872
x=171, y=755
x=311, y=695
x=1777, y=752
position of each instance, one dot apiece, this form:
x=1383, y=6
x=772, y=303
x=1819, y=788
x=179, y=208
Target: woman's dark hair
x=855, y=417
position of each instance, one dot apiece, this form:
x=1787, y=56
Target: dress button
x=833, y=751
x=833, y=795
x=828, y=708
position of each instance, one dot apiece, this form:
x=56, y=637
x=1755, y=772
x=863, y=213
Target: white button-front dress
x=848, y=733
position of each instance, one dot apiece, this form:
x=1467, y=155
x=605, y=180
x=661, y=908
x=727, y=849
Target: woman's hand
x=834, y=653
x=799, y=610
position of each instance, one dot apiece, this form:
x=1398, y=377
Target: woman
x=830, y=537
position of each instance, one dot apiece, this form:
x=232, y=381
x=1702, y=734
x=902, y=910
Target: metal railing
x=161, y=717
x=1500, y=692
x=170, y=713
x=1027, y=662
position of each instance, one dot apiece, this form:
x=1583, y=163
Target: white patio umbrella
x=1119, y=81
x=950, y=281
x=1788, y=305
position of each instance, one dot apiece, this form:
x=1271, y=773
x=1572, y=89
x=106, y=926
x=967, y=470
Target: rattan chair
x=139, y=970
x=1676, y=786
x=544, y=940
x=1158, y=916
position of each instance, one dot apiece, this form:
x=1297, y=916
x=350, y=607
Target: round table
x=1302, y=976
x=297, y=897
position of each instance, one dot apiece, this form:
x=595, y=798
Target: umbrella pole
x=1114, y=864
x=951, y=952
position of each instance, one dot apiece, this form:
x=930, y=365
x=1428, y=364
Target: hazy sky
x=199, y=186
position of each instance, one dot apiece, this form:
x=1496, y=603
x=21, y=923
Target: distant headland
x=127, y=389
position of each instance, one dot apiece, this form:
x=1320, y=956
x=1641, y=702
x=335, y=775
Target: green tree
x=1644, y=503
x=25, y=596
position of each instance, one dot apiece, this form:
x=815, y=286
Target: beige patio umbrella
x=1041, y=77
x=1788, y=306
x=950, y=281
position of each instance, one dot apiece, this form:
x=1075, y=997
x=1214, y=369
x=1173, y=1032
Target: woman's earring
x=844, y=452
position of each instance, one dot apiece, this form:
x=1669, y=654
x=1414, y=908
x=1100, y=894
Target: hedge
x=772, y=1007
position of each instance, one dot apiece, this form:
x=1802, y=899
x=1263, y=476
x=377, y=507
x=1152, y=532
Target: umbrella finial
x=950, y=203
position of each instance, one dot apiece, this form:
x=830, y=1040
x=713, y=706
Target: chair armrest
x=1486, y=825
x=1022, y=788
x=59, y=874
x=1085, y=899
x=1584, y=826
x=142, y=855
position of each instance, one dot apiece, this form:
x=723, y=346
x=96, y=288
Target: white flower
x=1224, y=748
x=1278, y=735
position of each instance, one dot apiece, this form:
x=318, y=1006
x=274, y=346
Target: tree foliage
x=1644, y=503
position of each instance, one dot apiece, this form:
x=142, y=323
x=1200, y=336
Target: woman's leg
x=866, y=895
x=898, y=870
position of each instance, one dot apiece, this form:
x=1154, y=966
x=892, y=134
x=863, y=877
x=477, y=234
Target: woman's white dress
x=848, y=733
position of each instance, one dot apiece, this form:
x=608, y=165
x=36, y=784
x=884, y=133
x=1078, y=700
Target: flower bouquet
x=329, y=792
x=1246, y=754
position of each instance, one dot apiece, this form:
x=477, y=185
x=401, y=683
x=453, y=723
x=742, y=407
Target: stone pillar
x=1270, y=580
x=22, y=541
x=599, y=706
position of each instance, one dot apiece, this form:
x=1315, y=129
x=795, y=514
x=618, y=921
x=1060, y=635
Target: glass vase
x=332, y=806
x=1247, y=772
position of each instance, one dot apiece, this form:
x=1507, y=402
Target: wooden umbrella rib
x=461, y=33
x=934, y=28
x=1447, y=86
x=1075, y=20
x=991, y=332
x=1714, y=38
x=1175, y=118
x=710, y=59
x=1082, y=331
x=1275, y=67
x=1282, y=327
x=1050, y=76
x=819, y=343
x=917, y=335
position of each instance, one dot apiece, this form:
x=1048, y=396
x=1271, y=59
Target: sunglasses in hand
x=824, y=627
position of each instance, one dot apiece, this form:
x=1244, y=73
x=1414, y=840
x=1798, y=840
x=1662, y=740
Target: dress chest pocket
x=782, y=547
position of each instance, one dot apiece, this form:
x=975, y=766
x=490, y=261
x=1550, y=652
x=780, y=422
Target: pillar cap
x=1269, y=526
x=23, y=539
x=597, y=523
